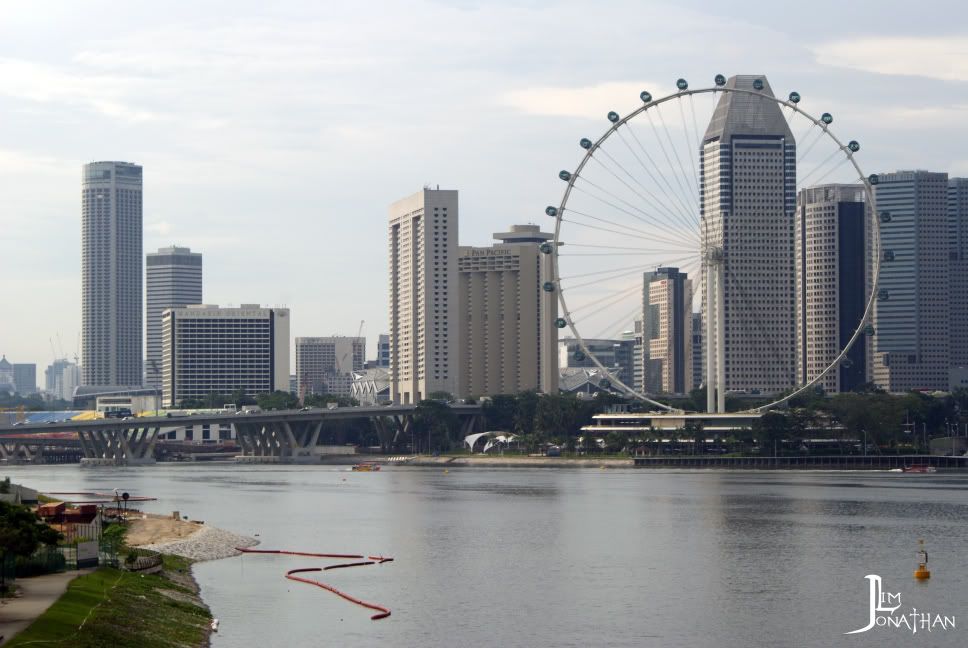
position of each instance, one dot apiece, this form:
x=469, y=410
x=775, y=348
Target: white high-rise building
x=747, y=201
x=507, y=335
x=325, y=365
x=913, y=311
x=173, y=279
x=111, y=257
x=833, y=273
x=423, y=295
x=207, y=349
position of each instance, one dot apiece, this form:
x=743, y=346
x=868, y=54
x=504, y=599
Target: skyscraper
x=831, y=249
x=111, y=257
x=325, y=365
x=423, y=295
x=25, y=378
x=505, y=318
x=173, y=279
x=666, y=332
x=747, y=201
x=958, y=257
x=912, y=313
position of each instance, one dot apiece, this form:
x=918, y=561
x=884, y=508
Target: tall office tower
x=958, y=257
x=111, y=302
x=503, y=316
x=173, y=277
x=912, y=312
x=383, y=351
x=747, y=201
x=6, y=376
x=206, y=349
x=325, y=365
x=666, y=332
x=25, y=378
x=696, y=350
x=831, y=252
x=53, y=374
x=638, y=346
x=423, y=295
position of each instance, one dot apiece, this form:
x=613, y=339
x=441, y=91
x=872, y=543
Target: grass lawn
x=121, y=610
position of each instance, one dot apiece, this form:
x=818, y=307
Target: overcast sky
x=274, y=135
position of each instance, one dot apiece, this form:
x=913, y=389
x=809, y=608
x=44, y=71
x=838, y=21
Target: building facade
x=958, y=258
x=111, y=274
x=617, y=356
x=666, y=345
x=747, y=203
x=831, y=252
x=325, y=365
x=173, y=279
x=423, y=295
x=6, y=376
x=25, y=378
x=697, y=363
x=504, y=317
x=207, y=349
x=383, y=351
x=912, y=313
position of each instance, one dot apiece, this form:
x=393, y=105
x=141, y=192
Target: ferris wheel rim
x=845, y=149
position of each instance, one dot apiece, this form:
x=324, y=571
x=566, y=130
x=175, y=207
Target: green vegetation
x=123, y=610
x=21, y=533
x=32, y=403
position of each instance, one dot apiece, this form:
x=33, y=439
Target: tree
x=322, y=400
x=446, y=397
x=527, y=406
x=500, y=412
x=436, y=422
x=277, y=400
x=21, y=532
x=770, y=429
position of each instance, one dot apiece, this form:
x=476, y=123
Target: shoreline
x=205, y=543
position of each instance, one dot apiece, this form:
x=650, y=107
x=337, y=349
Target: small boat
x=919, y=468
x=366, y=466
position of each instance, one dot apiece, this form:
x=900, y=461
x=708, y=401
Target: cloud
x=588, y=102
x=42, y=83
x=941, y=57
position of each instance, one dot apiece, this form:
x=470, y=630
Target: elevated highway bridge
x=277, y=436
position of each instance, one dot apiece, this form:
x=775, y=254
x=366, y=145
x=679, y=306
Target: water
x=566, y=557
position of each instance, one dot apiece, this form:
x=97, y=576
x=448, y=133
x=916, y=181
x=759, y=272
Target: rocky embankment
x=208, y=543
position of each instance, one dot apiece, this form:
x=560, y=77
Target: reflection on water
x=565, y=557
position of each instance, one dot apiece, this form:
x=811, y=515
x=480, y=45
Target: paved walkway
x=36, y=595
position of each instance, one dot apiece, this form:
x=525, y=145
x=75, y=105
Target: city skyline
x=122, y=81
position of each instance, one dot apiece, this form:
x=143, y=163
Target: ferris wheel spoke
x=623, y=293
x=627, y=185
x=687, y=136
x=673, y=196
x=678, y=213
x=698, y=146
x=826, y=174
x=608, y=247
x=667, y=261
x=678, y=176
x=614, y=328
x=803, y=181
x=805, y=150
x=638, y=268
x=668, y=228
x=645, y=236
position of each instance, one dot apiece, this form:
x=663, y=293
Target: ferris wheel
x=695, y=201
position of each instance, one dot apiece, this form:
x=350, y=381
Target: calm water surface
x=560, y=557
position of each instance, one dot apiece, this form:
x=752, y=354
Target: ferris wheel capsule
x=682, y=84
x=757, y=84
x=551, y=210
x=645, y=96
x=546, y=248
x=585, y=143
x=827, y=118
x=853, y=145
x=564, y=175
x=561, y=323
x=720, y=80
x=613, y=116
x=794, y=97
x=548, y=286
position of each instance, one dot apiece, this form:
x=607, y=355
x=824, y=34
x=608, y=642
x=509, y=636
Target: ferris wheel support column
x=720, y=338
x=710, y=339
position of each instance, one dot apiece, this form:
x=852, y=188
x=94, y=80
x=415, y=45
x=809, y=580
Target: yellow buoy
x=922, y=573
x=446, y=471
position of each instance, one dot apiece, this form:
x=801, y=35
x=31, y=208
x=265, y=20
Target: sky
x=273, y=136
